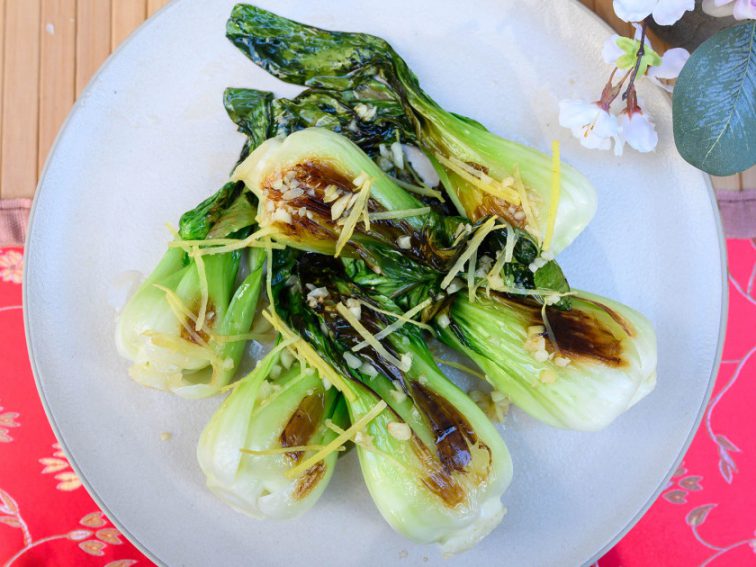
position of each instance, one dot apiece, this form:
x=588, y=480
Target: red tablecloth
x=705, y=516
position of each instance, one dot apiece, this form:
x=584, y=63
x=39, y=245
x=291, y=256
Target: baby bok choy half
x=434, y=464
x=576, y=368
x=483, y=174
x=185, y=327
x=320, y=192
x=385, y=133
x=274, y=419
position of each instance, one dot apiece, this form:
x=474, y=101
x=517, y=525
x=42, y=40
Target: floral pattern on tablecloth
x=46, y=518
x=706, y=514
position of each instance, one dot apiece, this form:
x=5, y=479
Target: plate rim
x=723, y=318
x=151, y=555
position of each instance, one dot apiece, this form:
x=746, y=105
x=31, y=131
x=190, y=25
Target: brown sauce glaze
x=616, y=317
x=302, y=425
x=439, y=481
x=303, y=226
x=577, y=333
x=478, y=166
x=453, y=433
x=312, y=176
x=308, y=480
x=209, y=323
x=493, y=206
x=320, y=174
x=582, y=335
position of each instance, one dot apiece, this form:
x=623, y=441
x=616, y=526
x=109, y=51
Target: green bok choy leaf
x=578, y=369
x=483, y=173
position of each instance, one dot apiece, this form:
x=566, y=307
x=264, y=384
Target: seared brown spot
x=478, y=166
x=313, y=177
x=302, y=425
x=619, y=319
x=487, y=205
x=320, y=174
x=439, y=481
x=580, y=334
x=491, y=205
x=301, y=226
x=453, y=433
x=309, y=480
x=201, y=334
x=577, y=333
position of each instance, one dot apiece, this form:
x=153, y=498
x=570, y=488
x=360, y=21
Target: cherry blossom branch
x=639, y=58
x=611, y=91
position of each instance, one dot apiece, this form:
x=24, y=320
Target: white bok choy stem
x=157, y=329
x=264, y=429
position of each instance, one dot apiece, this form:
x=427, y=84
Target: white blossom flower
x=637, y=130
x=672, y=63
x=665, y=12
x=590, y=123
x=617, y=46
x=738, y=9
x=611, y=52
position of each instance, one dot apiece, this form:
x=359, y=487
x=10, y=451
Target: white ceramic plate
x=150, y=138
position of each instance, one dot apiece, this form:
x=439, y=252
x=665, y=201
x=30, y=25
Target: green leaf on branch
x=629, y=55
x=714, y=103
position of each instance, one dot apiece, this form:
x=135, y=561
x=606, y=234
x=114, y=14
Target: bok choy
x=185, y=328
x=319, y=192
x=578, y=368
x=434, y=464
x=275, y=418
x=482, y=173
x=362, y=260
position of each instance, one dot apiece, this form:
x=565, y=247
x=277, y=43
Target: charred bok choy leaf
x=319, y=192
x=184, y=328
x=274, y=418
x=578, y=368
x=434, y=463
x=482, y=173
x=372, y=118
x=251, y=111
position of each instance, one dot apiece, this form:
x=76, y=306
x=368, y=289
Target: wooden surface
x=49, y=49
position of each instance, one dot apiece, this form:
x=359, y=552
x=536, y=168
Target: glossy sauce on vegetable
x=195, y=337
x=300, y=428
x=302, y=424
x=452, y=431
x=314, y=177
x=580, y=334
